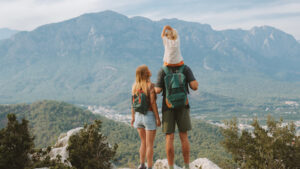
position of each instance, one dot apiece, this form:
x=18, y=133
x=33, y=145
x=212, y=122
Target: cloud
x=28, y=14
x=284, y=16
x=238, y=15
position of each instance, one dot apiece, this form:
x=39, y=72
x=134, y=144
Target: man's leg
x=184, y=124
x=170, y=148
x=185, y=145
x=168, y=126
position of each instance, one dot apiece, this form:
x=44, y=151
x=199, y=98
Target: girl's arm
x=154, y=105
x=132, y=116
x=167, y=27
x=132, y=110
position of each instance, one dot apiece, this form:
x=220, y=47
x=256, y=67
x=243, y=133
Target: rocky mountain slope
x=91, y=59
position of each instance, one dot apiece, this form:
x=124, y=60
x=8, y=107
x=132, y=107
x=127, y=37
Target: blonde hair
x=142, y=76
x=171, y=34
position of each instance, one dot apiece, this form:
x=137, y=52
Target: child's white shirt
x=172, y=53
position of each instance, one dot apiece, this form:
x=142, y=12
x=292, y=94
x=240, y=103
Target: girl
x=145, y=123
x=172, y=55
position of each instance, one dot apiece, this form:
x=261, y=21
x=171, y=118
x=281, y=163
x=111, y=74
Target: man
x=173, y=61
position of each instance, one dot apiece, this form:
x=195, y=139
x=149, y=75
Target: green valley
x=48, y=119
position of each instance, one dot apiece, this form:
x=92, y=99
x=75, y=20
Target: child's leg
x=150, y=137
x=142, y=134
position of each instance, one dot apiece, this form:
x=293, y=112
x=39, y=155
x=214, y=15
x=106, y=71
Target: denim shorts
x=146, y=121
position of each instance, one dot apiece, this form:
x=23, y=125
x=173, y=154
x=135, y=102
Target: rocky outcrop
x=204, y=163
x=163, y=164
x=60, y=147
x=196, y=164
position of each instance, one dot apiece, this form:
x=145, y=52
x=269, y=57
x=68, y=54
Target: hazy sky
x=220, y=14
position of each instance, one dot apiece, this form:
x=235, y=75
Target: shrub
x=89, y=149
x=275, y=146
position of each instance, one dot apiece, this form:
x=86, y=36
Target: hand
x=158, y=122
x=132, y=122
x=168, y=27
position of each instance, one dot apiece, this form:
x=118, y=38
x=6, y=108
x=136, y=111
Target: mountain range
x=91, y=59
x=6, y=33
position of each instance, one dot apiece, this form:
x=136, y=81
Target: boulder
x=196, y=164
x=60, y=147
x=163, y=164
x=204, y=163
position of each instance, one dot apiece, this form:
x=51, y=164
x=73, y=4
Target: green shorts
x=179, y=116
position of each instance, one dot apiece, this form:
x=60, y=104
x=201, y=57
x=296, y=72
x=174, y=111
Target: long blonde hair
x=171, y=34
x=142, y=76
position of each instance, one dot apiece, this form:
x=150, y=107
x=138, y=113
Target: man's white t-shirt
x=172, y=53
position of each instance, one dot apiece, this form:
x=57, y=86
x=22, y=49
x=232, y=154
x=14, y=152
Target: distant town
x=244, y=120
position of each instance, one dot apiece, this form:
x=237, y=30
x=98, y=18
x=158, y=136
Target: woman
x=145, y=123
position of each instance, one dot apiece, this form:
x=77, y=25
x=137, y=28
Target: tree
x=15, y=144
x=276, y=146
x=40, y=158
x=89, y=148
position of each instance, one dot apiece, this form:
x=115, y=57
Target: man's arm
x=191, y=79
x=154, y=105
x=193, y=85
x=160, y=81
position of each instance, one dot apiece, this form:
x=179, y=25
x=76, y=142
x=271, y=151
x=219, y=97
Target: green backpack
x=139, y=102
x=175, y=85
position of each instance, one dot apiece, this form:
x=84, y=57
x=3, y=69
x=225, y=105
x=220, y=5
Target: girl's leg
x=150, y=137
x=142, y=134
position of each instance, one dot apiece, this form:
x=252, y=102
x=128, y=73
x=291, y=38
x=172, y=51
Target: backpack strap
x=181, y=68
x=166, y=69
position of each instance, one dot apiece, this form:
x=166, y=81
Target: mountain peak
x=179, y=23
x=106, y=13
x=110, y=12
x=265, y=30
x=264, y=27
x=170, y=20
x=271, y=33
x=141, y=18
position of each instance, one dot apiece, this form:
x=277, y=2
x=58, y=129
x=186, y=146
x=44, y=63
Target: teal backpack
x=139, y=102
x=175, y=85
